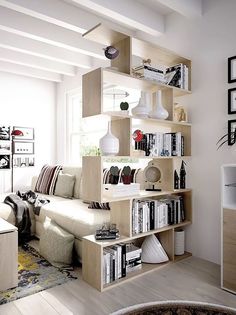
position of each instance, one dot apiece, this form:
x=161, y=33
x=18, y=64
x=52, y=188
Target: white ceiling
x=43, y=38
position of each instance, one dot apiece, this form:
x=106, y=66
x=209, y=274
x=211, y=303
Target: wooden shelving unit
x=94, y=84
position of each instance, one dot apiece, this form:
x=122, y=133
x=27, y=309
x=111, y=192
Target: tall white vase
x=159, y=111
x=109, y=144
x=142, y=109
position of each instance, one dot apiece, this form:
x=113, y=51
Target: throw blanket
x=21, y=212
x=47, y=179
x=33, y=199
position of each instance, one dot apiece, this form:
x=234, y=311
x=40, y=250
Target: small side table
x=8, y=255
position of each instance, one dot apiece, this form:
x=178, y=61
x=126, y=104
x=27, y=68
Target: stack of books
x=176, y=75
x=151, y=214
x=161, y=144
x=120, y=259
x=121, y=190
x=150, y=73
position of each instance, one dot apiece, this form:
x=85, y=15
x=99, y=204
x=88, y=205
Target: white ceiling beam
x=56, y=12
x=27, y=26
x=36, y=62
x=188, y=8
x=128, y=12
x=39, y=49
x=29, y=72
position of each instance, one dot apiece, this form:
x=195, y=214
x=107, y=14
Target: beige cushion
x=65, y=185
x=76, y=171
x=56, y=245
x=74, y=216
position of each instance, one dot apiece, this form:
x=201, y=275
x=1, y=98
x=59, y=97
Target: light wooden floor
x=192, y=279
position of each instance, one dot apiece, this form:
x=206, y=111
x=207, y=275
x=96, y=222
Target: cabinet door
x=8, y=260
x=229, y=249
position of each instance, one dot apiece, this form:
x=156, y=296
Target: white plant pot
x=142, y=109
x=159, y=112
x=109, y=144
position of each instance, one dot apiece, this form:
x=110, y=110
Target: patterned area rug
x=35, y=274
x=176, y=308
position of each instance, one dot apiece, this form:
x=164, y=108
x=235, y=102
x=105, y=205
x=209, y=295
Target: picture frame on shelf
x=231, y=131
x=5, y=133
x=5, y=162
x=232, y=101
x=28, y=133
x=232, y=69
x=21, y=147
x=5, y=147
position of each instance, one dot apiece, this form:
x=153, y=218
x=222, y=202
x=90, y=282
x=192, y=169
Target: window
x=83, y=134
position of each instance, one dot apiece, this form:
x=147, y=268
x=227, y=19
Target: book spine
x=152, y=215
x=123, y=260
x=182, y=146
x=178, y=144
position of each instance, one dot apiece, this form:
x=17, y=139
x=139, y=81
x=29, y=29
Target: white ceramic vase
x=159, y=112
x=142, y=109
x=109, y=144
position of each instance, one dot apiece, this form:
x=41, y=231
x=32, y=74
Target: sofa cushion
x=76, y=171
x=47, y=179
x=65, y=185
x=56, y=245
x=74, y=216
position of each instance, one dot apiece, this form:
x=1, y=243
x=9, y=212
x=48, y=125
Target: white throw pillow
x=65, y=185
x=56, y=244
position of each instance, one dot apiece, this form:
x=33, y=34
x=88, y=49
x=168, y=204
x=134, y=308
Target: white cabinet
x=8, y=255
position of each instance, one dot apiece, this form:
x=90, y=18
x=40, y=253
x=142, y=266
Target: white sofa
x=73, y=215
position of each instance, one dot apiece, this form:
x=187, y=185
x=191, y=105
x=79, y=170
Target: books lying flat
x=121, y=190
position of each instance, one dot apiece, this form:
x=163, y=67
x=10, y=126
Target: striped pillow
x=47, y=179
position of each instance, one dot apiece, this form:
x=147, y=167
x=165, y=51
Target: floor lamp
x=14, y=133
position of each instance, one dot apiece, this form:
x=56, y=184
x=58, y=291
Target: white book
x=167, y=143
x=185, y=77
x=178, y=143
x=117, y=248
x=107, y=268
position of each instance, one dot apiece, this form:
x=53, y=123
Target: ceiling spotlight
x=111, y=52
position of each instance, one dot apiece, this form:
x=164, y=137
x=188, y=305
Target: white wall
x=208, y=41
x=31, y=103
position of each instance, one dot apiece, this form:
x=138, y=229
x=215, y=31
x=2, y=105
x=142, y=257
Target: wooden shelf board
x=181, y=257
x=104, y=35
x=117, y=115
x=146, y=268
x=130, y=81
x=117, y=157
x=165, y=228
x=123, y=238
x=146, y=194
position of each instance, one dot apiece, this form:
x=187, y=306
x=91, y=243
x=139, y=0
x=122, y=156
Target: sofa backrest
x=72, y=170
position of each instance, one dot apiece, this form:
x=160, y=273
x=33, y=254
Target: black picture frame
x=231, y=75
x=231, y=101
x=231, y=131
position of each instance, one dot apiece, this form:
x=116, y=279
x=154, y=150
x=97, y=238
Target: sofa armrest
x=33, y=182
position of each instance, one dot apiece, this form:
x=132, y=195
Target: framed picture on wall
x=232, y=69
x=232, y=101
x=28, y=133
x=20, y=147
x=231, y=131
x=23, y=161
x=5, y=133
x=5, y=161
x=5, y=147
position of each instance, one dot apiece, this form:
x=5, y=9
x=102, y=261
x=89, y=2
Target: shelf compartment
x=94, y=81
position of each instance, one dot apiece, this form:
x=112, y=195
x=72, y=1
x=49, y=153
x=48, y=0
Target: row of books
x=154, y=214
x=161, y=144
x=176, y=75
x=120, y=259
